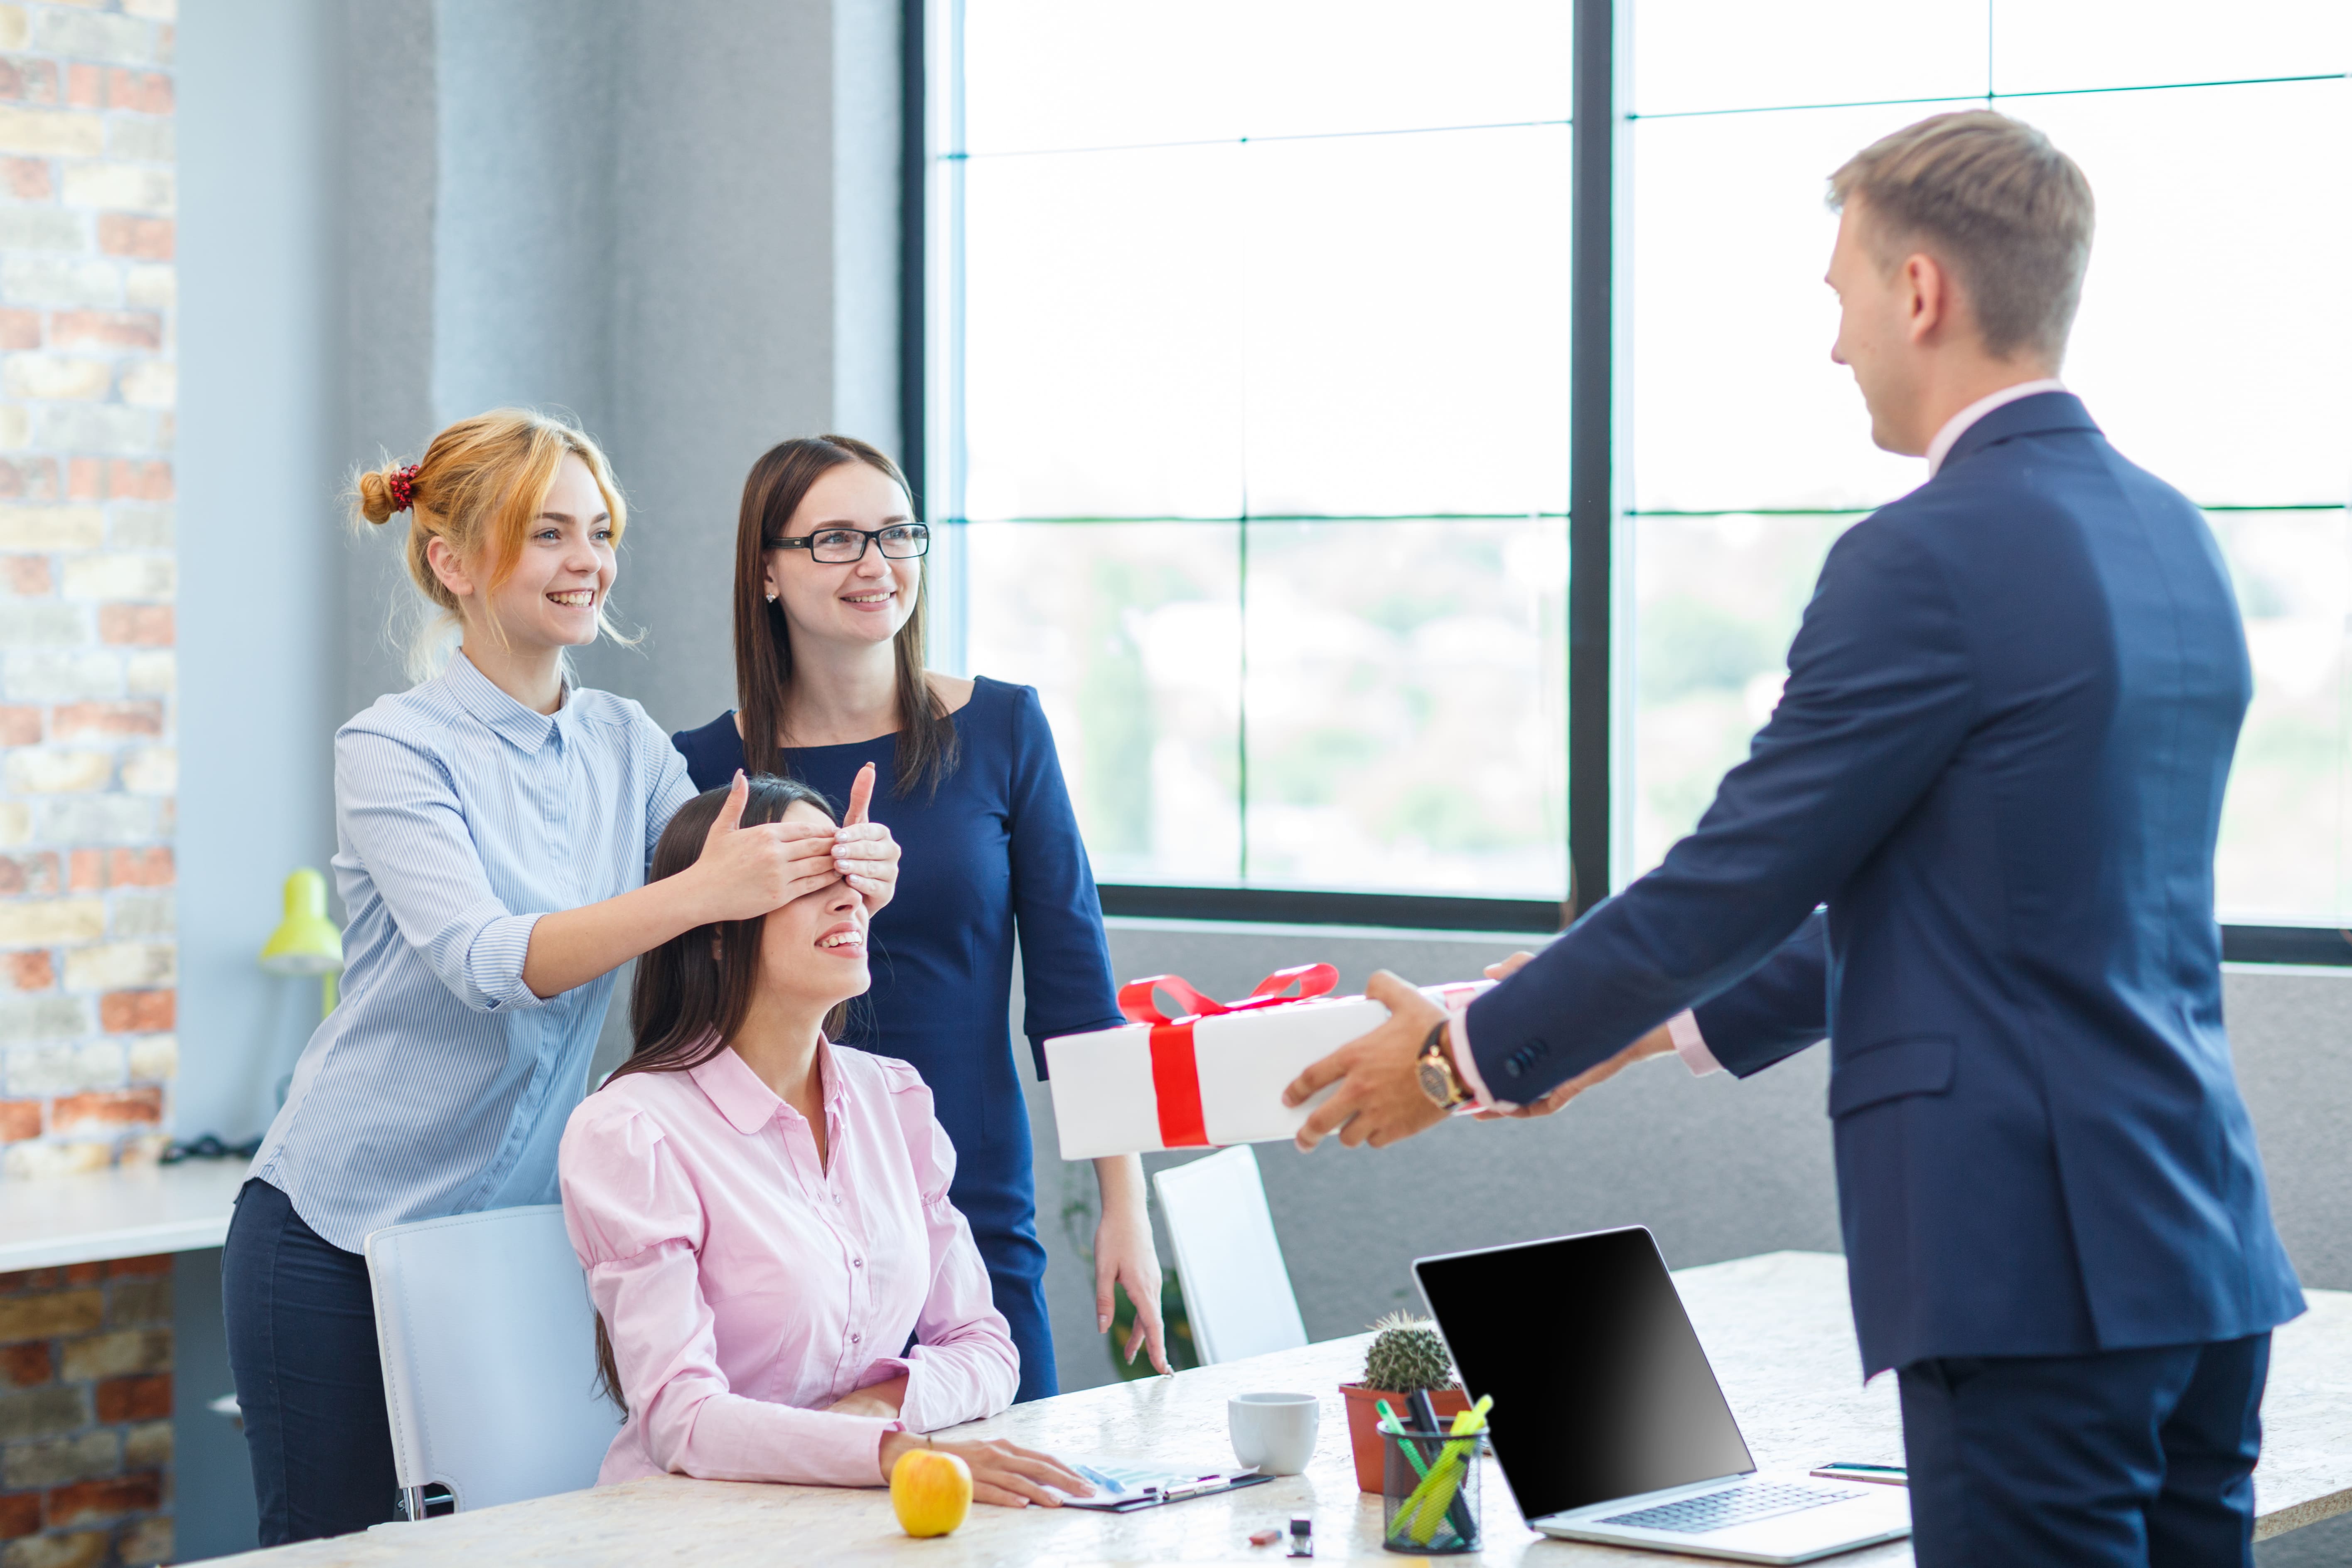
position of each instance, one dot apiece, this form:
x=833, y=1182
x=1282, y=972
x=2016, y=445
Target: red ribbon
x=1175, y=1073
x=1176, y=1083
x=1135, y=998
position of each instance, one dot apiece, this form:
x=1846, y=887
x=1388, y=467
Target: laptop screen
x=1601, y=1389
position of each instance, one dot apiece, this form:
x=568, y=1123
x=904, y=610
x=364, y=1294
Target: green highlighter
x=1389, y=1423
x=1429, y=1501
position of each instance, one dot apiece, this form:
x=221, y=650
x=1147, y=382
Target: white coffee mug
x=1273, y=1433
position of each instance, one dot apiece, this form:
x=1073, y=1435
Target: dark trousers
x=2139, y=1457
x=302, y=1346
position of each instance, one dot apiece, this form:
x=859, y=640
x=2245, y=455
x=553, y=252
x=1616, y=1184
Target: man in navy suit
x=1998, y=763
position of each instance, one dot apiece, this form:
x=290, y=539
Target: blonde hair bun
x=376, y=495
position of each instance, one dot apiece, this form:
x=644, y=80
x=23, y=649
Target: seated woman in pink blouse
x=763, y=1216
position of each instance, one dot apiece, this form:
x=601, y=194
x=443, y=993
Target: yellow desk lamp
x=306, y=942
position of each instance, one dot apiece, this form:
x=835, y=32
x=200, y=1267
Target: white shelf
x=128, y=1212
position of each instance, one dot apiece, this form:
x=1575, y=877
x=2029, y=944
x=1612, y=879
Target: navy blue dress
x=994, y=854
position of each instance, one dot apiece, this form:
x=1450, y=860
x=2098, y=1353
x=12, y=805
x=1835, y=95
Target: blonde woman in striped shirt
x=493, y=825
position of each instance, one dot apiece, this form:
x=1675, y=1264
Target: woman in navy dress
x=830, y=681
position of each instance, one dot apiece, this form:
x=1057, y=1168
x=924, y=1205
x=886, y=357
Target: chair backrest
x=1236, y=1287
x=489, y=1356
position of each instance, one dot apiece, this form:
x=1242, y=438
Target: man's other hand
x=1658, y=1042
x=1510, y=966
x=1379, y=1099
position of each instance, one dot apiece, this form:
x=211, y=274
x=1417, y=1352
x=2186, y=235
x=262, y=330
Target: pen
x=1472, y=1421
x=1389, y=1424
x=1878, y=1475
x=1175, y=1490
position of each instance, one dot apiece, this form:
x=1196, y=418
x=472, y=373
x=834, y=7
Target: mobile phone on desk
x=1876, y=1475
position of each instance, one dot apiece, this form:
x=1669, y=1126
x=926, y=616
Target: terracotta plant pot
x=1364, y=1423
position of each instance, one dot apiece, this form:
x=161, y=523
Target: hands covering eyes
x=751, y=870
x=864, y=853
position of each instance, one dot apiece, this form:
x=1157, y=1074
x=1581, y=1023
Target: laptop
x=1608, y=1421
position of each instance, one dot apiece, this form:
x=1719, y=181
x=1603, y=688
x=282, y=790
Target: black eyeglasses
x=837, y=546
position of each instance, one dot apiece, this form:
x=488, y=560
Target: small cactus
x=1407, y=1355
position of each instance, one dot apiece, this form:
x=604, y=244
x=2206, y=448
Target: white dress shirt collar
x=1956, y=426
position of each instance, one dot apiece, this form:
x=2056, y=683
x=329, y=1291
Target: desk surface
x=1776, y=1327
x=128, y=1212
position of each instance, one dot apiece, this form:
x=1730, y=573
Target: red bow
x=1175, y=1075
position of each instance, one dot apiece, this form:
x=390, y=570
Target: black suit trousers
x=2138, y=1458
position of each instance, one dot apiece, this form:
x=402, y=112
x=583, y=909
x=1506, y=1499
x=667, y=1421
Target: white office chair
x=489, y=1358
x=1236, y=1287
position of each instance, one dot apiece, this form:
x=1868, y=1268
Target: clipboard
x=1126, y=1487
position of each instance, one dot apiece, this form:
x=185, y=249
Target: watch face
x=1434, y=1085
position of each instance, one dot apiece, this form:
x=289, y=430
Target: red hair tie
x=402, y=487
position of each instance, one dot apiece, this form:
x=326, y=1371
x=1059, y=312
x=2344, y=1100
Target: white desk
x=1776, y=1327
x=127, y=1211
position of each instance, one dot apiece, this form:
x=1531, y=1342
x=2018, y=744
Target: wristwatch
x=1438, y=1078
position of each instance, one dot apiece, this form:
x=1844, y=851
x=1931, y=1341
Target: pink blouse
x=745, y=1287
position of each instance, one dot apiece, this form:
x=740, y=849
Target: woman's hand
x=745, y=872
x=864, y=853
x=1124, y=1255
x=1002, y=1473
x=741, y=874
x=882, y=1399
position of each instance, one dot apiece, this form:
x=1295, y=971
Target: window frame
x=1600, y=700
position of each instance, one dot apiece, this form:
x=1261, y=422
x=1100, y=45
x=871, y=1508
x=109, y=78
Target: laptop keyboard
x=1733, y=1505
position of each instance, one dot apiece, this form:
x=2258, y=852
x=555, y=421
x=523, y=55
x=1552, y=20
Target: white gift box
x=1213, y=1077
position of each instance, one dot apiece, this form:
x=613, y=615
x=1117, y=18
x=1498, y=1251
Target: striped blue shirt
x=440, y=1084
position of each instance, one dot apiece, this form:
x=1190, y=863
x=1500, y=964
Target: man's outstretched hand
x=1378, y=1100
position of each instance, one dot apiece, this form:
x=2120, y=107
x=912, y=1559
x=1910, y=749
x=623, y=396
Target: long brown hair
x=692, y=992
x=774, y=490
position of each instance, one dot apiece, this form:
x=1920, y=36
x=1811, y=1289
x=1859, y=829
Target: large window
x=2210, y=346
x=1259, y=429
x=1251, y=369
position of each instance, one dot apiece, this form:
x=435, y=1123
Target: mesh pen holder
x=1429, y=1494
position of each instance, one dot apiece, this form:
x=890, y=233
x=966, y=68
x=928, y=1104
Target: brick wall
x=86, y=1414
x=87, y=766
x=86, y=583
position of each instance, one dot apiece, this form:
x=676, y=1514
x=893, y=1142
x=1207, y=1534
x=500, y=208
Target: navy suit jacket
x=1999, y=762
